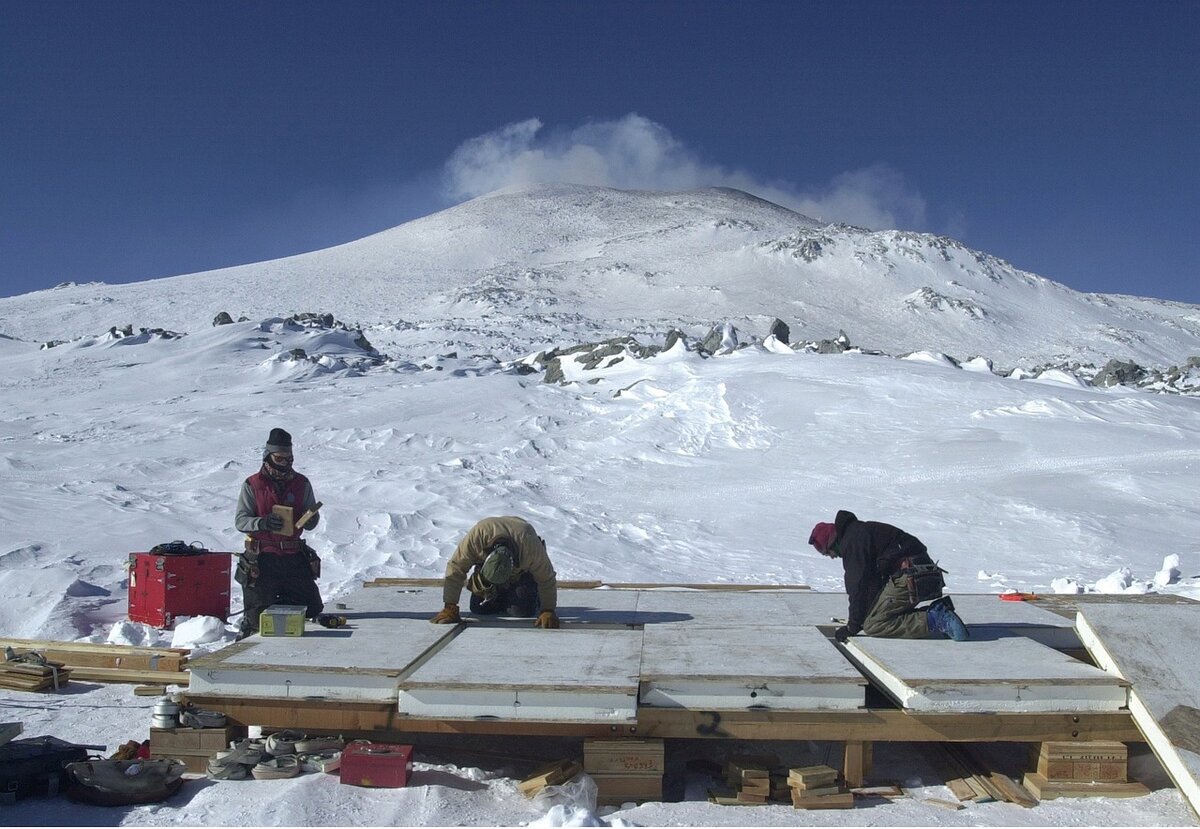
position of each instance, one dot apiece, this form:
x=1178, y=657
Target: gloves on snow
x=842, y=634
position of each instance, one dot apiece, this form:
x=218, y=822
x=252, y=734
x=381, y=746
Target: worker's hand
x=448, y=615
x=547, y=619
x=311, y=523
x=271, y=523
x=842, y=634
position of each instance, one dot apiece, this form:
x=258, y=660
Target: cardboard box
x=376, y=765
x=162, y=587
x=615, y=789
x=623, y=756
x=192, y=746
x=195, y=739
x=282, y=620
x=1100, y=762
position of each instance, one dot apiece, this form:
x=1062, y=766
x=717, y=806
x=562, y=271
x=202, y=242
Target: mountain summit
x=579, y=262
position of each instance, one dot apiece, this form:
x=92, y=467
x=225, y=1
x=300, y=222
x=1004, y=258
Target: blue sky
x=148, y=139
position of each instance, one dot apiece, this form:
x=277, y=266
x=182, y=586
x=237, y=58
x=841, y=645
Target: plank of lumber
x=944, y=804
x=1013, y=792
x=119, y=675
x=386, y=581
x=98, y=655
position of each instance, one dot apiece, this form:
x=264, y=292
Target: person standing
x=503, y=563
x=276, y=567
x=888, y=572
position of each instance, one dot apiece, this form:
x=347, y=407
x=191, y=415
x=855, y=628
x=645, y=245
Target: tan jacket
x=531, y=555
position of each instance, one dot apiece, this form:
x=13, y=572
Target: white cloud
x=636, y=153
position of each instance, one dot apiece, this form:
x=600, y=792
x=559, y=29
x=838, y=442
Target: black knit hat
x=279, y=441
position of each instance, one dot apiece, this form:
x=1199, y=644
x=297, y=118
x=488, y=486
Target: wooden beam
x=856, y=763
x=119, y=675
x=345, y=717
x=591, y=585
x=885, y=725
x=864, y=725
x=98, y=655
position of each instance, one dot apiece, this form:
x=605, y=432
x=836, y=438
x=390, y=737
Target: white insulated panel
x=360, y=662
x=1156, y=647
x=740, y=608
x=1009, y=673
x=707, y=667
x=599, y=606
x=571, y=674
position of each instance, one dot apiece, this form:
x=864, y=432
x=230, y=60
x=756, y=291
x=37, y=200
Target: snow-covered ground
x=674, y=468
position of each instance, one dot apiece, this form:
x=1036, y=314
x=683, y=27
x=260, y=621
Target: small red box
x=378, y=765
x=163, y=587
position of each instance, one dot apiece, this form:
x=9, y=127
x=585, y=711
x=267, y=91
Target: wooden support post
x=856, y=764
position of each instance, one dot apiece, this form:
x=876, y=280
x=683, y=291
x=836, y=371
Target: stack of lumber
x=752, y=780
x=625, y=770
x=33, y=675
x=1082, y=769
x=817, y=787
x=551, y=774
x=969, y=780
x=93, y=662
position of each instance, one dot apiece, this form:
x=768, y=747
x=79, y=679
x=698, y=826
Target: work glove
x=842, y=634
x=547, y=619
x=271, y=523
x=448, y=615
x=312, y=522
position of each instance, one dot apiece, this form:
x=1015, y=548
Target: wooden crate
x=623, y=756
x=194, y=746
x=1098, y=762
x=615, y=789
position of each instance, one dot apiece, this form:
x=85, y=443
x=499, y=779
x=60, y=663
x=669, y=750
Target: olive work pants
x=893, y=616
x=280, y=579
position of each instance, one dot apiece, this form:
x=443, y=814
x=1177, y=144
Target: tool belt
x=247, y=572
x=923, y=580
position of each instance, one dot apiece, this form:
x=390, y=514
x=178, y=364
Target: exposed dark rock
x=780, y=331
x=222, y=318
x=1117, y=372
x=835, y=346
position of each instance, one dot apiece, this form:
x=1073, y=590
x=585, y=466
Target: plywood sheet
x=999, y=673
x=709, y=667
x=359, y=662
x=573, y=674
x=1156, y=647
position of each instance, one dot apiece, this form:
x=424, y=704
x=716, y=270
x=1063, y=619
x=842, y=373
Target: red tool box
x=163, y=587
x=379, y=765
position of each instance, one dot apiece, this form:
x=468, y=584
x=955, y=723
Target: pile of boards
x=624, y=771
x=28, y=673
x=759, y=780
x=89, y=662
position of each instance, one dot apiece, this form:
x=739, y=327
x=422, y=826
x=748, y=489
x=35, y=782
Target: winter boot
x=942, y=619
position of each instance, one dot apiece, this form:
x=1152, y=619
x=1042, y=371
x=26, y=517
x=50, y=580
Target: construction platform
x=693, y=661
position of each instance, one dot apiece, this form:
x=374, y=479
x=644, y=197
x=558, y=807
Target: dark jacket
x=871, y=553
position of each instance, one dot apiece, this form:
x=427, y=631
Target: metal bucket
x=166, y=714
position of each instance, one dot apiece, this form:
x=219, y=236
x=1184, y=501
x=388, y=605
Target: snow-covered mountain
x=578, y=263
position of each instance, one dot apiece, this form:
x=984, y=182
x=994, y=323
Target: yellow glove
x=448, y=615
x=546, y=619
